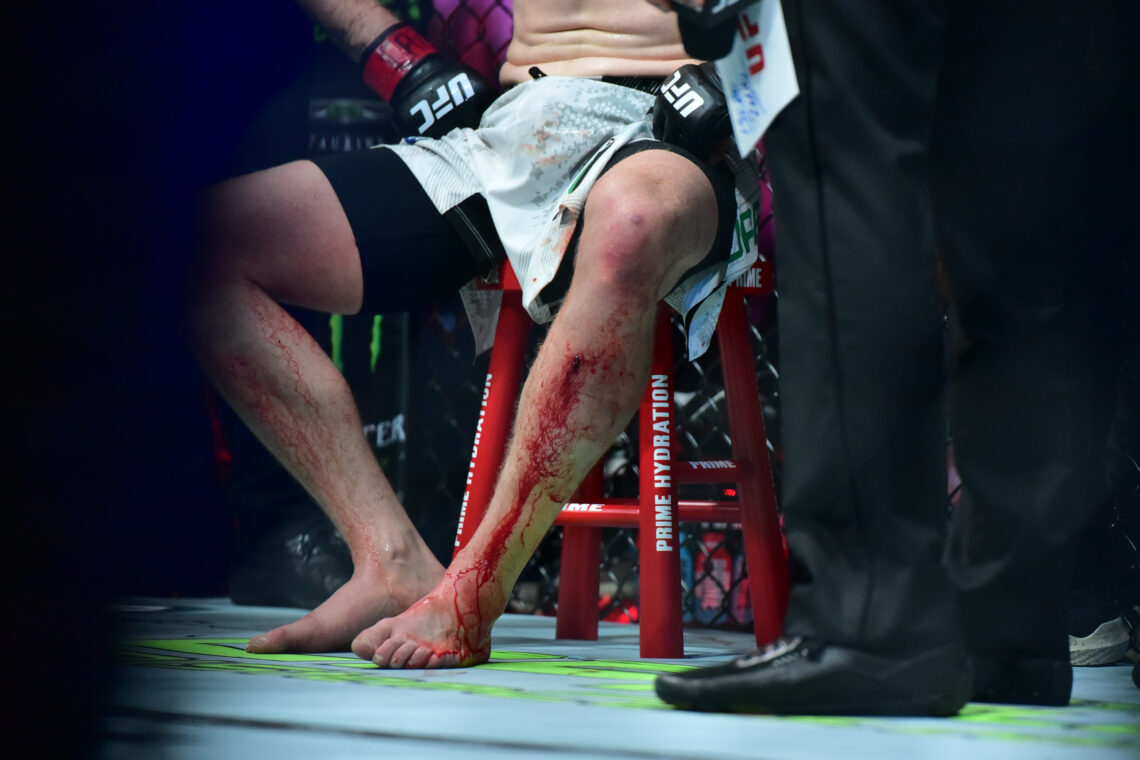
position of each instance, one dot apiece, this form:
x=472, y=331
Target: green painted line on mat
x=588, y=668
x=625, y=687
x=498, y=654
x=236, y=648
x=229, y=656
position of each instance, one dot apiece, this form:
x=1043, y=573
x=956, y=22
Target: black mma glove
x=707, y=26
x=691, y=111
x=429, y=94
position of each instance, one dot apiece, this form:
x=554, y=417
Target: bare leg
x=280, y=235
x=647, y=221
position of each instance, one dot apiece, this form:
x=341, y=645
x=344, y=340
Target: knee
x=634, y=240
x=220, y=251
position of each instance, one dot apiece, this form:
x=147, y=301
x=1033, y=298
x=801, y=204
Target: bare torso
x=592, y=38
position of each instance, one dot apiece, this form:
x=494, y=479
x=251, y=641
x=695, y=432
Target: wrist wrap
x=391, y=56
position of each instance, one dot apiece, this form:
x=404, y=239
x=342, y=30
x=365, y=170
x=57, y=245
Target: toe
x=446, y=660
x=403, y=654
x=420, y=658
x=366, y=642
x=312, y=633
x=383, y=655
x=274, y=642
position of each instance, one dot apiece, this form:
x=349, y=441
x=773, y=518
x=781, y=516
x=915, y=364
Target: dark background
x=118, y=114
x=122, y=114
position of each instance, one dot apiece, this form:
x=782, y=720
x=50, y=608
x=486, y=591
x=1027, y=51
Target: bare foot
x=368, y=596
x=448, y=628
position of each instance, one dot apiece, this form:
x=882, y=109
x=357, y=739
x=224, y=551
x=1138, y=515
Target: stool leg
x=496, y=414
x=578, y=574
x=660, y=576
x=760, y=524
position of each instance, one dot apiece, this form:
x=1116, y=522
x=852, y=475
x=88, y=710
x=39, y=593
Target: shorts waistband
x=649, y=85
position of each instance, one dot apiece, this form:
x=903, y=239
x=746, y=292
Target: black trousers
x=995, y=135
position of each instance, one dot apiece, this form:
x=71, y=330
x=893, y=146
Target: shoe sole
x=935, y=706
x=853, y=693
x=1104, y=646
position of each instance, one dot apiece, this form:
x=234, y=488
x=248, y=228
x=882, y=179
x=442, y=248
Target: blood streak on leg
x=285, y=405
x=546, y=455
x=547, y=441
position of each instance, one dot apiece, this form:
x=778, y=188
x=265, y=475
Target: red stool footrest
x=625, y=513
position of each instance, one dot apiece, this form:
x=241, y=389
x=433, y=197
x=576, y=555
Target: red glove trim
x=392, y=55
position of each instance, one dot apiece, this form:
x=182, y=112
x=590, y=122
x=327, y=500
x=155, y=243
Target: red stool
x=657, y=511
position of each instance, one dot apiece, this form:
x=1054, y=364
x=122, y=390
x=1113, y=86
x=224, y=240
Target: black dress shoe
x=794, y=676
x=1022, y=680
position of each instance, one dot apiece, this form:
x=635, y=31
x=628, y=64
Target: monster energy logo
x=386, y=432
x=336, y=339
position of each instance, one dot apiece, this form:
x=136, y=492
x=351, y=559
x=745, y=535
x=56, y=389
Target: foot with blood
x=448, y=628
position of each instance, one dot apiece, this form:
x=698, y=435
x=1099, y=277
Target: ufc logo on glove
x=457, y=91
x=429, y=94
x=681, y=96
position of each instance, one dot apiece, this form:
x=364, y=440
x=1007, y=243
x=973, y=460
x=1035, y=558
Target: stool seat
x=656, y=512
